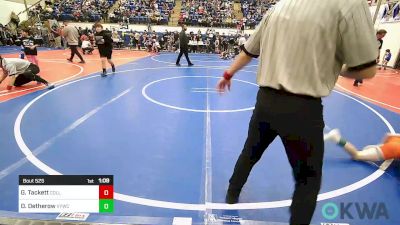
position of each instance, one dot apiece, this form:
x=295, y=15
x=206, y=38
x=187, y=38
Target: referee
x=303, y=47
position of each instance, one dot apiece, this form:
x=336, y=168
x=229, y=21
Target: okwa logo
x=355, y=210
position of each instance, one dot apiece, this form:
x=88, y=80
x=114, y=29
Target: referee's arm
x=362, y=72
x=251, y=49
x=240, y=61
x=357, y=43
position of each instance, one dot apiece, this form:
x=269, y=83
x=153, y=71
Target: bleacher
x=254, y=10
x=218, y=13
x=81, y=10
x=135, y=12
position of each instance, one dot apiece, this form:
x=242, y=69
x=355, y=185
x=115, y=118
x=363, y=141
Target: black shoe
x=191, y=64
x=113, y=69
x=50, y=86
x=83, y=62
x=232, y=197
x=361, y=81
x=70, y=60
x=103, y=74
x=178, y=64
x=355, y=84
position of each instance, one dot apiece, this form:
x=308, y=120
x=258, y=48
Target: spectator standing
x=55, y=30
x=72, y=36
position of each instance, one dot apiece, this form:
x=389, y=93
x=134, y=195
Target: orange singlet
x=391, y=147
x=392, y=138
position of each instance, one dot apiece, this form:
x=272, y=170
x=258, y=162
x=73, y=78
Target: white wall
x=7, y=7
x=392, y=39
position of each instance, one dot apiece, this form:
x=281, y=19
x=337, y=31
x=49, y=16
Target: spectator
x=143, y=11
x=241, y=40
x=30, y=47
x=87, y=47
x=56, y=31
x=71, y=35
x=205, y=13
x=386, y=59
x=253, y=10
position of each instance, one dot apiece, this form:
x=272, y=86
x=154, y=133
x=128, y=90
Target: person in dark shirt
x=176, y=36
x=30, y=47
x=104, y=43
x=184, y=46
x=224, y=44
x=380, y=34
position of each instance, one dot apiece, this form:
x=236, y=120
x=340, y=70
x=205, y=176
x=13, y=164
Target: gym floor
x=171, y=141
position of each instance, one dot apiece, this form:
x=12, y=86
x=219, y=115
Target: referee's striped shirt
x=303, y=44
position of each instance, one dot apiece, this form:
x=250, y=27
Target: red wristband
x=227, y=75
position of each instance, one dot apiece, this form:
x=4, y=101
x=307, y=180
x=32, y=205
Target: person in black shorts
x=30, y=47
x=20, y=72
x=104, y=43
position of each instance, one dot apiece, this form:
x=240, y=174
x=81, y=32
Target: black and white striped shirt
x=303, y=44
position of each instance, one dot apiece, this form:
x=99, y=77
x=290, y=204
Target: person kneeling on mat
x=104, y=44
x=87, y=47
x=20, y=72
x=389, y=149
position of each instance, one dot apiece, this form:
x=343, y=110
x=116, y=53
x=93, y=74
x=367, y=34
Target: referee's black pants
x=181, y=52
x=74, y=51
x=30, y=74
x=298, y=121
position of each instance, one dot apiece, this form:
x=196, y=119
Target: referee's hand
x=223, y=84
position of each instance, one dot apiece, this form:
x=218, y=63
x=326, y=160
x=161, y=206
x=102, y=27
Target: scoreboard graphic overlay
x=66, y=193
